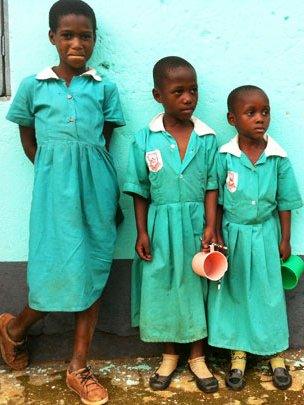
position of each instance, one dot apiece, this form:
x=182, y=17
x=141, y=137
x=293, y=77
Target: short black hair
x=164, y=65
x=65, y=7
x=248, y=88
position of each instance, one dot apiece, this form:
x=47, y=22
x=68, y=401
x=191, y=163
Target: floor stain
x=127, y=381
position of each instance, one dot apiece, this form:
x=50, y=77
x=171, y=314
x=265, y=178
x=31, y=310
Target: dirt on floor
x=127, y=383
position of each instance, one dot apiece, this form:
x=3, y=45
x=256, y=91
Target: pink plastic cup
x=212, y=265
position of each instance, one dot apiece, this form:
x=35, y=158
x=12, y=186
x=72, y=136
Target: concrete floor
x=127, y=382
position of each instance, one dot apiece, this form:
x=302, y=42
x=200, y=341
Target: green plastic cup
x=292, y=270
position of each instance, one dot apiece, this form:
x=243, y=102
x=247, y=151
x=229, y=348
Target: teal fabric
x=72, y=224
x=168, y=298
x=249, y=312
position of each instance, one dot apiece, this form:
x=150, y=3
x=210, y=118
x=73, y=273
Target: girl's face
x=178, y=93
x=74, y=40
x=251, y=115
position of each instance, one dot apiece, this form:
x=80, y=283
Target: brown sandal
x=14, y=354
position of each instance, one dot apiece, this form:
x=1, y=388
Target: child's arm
x=284, y=247
x=218, y=227
x=142, y=246
x=107, y=132
x=209, y=235
x=112, y=111
x=28, y=140
x=288, y=198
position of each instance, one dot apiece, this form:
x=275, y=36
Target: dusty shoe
x=14, y=354
x=85, y=384
x=281, y=378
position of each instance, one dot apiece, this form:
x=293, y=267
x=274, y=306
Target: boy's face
x=178, y=93
x=251, y=114
x=74, y=40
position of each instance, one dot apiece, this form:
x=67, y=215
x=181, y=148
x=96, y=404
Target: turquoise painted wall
x=230, y=43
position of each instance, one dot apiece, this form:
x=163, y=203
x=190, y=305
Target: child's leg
x=169, y=348
x=85, y=323
x=235, y=376
x=12, y=333
x=280, y=375
x=79, y=377
x=204, y=379
x=169, y=362
x=196, y=349
x=161, y=379
x=17, y=327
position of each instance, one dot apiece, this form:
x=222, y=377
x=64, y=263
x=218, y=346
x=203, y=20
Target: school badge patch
x=232, y=181
x=154, y=160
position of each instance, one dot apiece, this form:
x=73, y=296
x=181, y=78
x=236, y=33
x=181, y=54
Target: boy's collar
x=272, y=147
x=200, y=128
x=48, y=73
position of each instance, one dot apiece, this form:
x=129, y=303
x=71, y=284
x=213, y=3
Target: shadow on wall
x=114, y=318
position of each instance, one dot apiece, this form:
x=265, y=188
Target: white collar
x=48, y=73
x=272, y=147
x=157, y=125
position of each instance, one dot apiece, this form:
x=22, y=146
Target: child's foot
x=161, y=379
x=85, y=384
x=14, y=354
x=205, y=380
x=280, y=376
x=235, y=377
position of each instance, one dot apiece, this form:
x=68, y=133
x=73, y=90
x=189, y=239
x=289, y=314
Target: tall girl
x=172, y=179
x=66, y=115
x=257, y=191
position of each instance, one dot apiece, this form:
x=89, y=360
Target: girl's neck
x=172, y=123
x=248, y=143
x=180, y=131
x=252, y=148
x=67, y=73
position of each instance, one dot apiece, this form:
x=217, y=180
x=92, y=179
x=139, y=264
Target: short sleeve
x=21, y=110
x=211, y=169
x=111, y=106
x=137, y=177
x=221, y=172
x=288, y=195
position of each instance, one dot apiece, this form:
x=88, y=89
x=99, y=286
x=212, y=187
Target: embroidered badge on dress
x=232, y=181
x=154, y=160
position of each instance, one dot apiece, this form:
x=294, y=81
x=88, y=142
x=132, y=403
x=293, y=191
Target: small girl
x=171, y=177
x=64, y=114
x=256, y=187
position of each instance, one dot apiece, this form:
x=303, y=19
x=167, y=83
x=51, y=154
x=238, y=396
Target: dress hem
x=242, y=348
x=56, y=309
x=173, y=340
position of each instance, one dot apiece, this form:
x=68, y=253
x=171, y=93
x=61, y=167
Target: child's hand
x=285, y=249
x=142, y=247
x=209, y=237
x=219, y=238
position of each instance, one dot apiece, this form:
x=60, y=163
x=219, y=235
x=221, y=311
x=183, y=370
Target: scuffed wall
x=230, y=43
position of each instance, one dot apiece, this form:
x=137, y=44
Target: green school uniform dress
x=248, y=312
x=168, y=298
x=75, y=194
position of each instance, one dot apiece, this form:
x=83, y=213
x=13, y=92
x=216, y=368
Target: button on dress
x=168, y=298
x=75, y=194
x=249, y=312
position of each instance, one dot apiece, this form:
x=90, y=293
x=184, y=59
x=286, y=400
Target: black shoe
x=159, y=382
x=207, y=385
x=281, y=378
x=235, y=379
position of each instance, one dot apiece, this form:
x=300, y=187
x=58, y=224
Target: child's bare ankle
x=13, y=332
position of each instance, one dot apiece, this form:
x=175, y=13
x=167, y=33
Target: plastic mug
x=212, y=265
x=292, y=270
